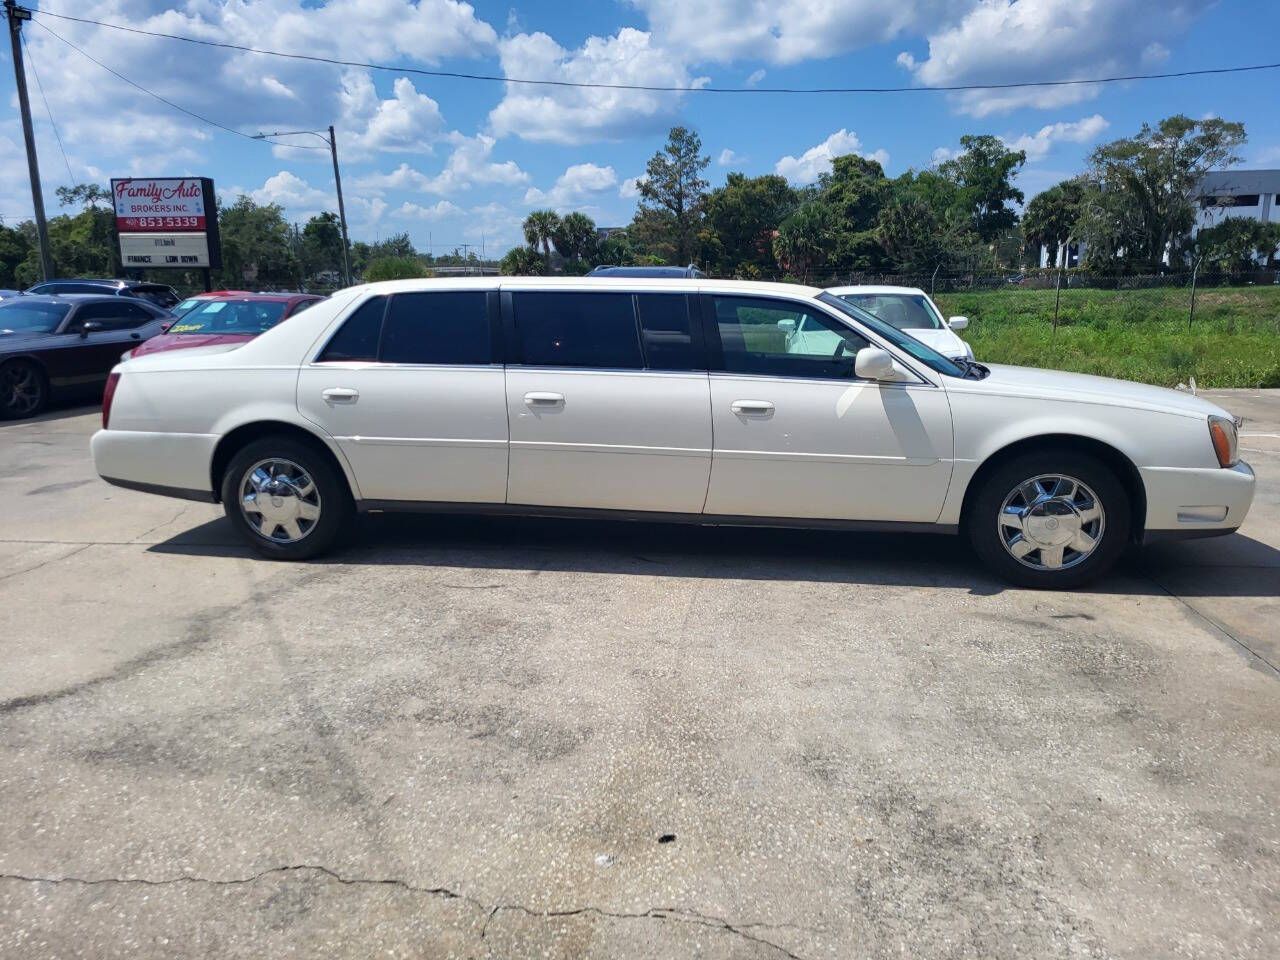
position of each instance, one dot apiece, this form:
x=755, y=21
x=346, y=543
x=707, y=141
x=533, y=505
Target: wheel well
x=34, y=361
x=249, y=432
x=1117, y=461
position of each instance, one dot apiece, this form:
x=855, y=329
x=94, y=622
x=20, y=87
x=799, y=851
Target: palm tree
x=803, y=239
x=539, y=226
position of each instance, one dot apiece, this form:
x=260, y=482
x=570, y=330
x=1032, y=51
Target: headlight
x=1222, y=431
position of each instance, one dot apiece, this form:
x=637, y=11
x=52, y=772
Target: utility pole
x=332, y=141
x=342, y=211
x=15, y=15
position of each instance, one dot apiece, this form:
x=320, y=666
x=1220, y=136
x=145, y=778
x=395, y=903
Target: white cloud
x=1002, y=41
x=408, y=121
x=941, y=155
x=1154, y=53
x=727, y=157
x=577, y=184
x=293, y=193
x=756, y=77
x=1038, y=144
x=816, y=161
x=468, y=164
x=787, y=31
x=437, y=210
x=579, y=115
x=631, y=187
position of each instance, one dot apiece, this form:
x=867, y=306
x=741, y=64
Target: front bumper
x=1196, y=502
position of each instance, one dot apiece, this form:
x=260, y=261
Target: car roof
x=70, y=298
x=601, y=284
x=260, y=297
x=607, y=270
x=871, y=288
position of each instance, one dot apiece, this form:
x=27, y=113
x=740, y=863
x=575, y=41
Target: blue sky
x=452, y=161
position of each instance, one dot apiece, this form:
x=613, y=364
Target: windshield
x=19, y=317
x=906, y=311
x=903, y=341
x=231, y=316
x=186, y=306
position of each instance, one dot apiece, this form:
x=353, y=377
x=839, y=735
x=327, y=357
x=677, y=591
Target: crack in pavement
x=1215, y=625
x=70, y=553
x=174, y=519
x=675, y=914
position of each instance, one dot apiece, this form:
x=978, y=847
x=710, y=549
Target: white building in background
x=1221, y=194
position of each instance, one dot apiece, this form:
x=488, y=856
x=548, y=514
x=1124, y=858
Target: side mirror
x=164, y=327
x=958, y=323
x=872, y=363
x=89, y=326
x=787, y=326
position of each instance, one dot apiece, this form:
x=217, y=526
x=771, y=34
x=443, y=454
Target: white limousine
x=681, y=400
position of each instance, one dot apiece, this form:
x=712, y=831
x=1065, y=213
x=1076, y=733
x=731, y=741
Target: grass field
x=1133, y=334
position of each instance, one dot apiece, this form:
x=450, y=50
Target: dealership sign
x=170, y=222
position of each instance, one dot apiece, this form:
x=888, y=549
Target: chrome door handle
x=538, y=399
x=340, y=395
x=752, y=408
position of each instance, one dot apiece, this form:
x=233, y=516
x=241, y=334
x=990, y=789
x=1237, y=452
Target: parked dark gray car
x=57, y=344
x=160, y=294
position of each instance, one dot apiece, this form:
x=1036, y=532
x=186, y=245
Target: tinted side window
x=577, y=330
x=447, y=327
x=668, y=334
x=112, y=316
x=780, y=338
x=357, y=338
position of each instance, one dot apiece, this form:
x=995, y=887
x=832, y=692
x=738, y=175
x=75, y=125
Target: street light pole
x=342, y=211
x=15, y=15
x=332, y=141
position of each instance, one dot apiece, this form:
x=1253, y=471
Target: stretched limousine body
x=689, y=400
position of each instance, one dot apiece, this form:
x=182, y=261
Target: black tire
x=988, y=534
x=24, y=391
x=331, y=495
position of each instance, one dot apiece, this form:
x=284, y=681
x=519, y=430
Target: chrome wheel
x=279, y=500
x=21, y=389
x=1051, y=522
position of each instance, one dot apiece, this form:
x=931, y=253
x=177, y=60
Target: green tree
x=14, y=249
x=673, y=185
x=85, y=195
x=539, y=228
x=615, y=250
x=1236, y=244
x=653, y=236
x=575, y=236
x=984, y=171
x=396, y=245
x=523, y=262
x=394, y=268
x=855, y=191
x=256, y=245
x=804, y=240
x=322, y=244
x=1139, y=204
x=1051, y=217
x=922, y=233
x=739, y=220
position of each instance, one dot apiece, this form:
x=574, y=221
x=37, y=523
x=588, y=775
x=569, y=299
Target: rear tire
x=285, y=498
x=1053, y=519
x=24, y=391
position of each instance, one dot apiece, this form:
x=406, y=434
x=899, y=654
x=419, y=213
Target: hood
x=187, y=341
x=944, y=341
x=1057, y=385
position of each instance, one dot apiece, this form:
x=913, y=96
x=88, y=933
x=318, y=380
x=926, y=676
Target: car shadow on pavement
x=58, y=410
x=1246, y=567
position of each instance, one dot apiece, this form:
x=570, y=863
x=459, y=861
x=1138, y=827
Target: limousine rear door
x=411, y=389
x=607, y=399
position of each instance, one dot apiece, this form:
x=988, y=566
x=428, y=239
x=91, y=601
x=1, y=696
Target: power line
x=654, y=88
x=40, y=86
x=175, y=106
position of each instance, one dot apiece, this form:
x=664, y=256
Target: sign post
x=167, y=223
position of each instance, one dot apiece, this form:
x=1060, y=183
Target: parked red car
x=227, y=319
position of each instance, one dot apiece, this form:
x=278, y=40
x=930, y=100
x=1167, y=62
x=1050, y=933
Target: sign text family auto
x=169, y=222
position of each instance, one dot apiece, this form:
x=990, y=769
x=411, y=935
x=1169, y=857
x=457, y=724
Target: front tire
x=285, y=498
x=23, y=390
x=1050, y=520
